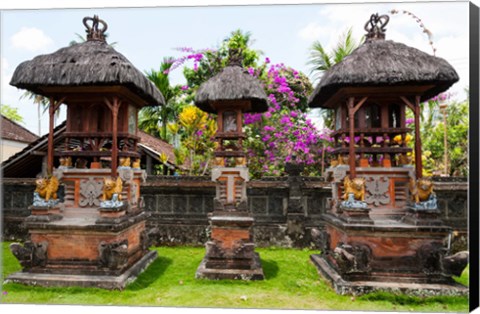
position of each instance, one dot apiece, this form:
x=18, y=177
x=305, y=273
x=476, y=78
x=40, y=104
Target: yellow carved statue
x=403, y=159
x=47, y=188
x=240, y=161
x=111, y=187
x=355, y=186
x=136, y=164
x=341, y=160
x=66, y=161
x=421, y=189
x=219, y=161
x=124, y=161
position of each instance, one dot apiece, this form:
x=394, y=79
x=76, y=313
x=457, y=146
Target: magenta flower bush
x=281, y=135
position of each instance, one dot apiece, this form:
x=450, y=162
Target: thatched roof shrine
x=385, y=63
x=232, y=83
x=91, y=63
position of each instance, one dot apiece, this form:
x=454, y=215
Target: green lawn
x=291, y=282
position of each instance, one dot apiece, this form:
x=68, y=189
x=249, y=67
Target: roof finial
x=93, y=32
x=375, y=27
x=235, y=56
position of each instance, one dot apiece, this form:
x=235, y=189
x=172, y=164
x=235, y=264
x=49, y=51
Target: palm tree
x=41, y=102
x=321, y=61
x=150, y=117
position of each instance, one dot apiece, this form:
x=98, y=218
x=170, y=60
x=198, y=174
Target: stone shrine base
x=87, y=281
x=255, y=273
x=392, y=284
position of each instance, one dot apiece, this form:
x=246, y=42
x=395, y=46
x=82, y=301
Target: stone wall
x=284, y=208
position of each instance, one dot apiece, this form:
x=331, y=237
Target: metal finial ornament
x=375, y=27
x=93, y=31
x=235, y=57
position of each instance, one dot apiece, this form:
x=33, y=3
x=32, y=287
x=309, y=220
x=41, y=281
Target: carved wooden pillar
x=415, y=107
x=418, y=140
x=351, y=144
x=114, y=106
x=51, y=111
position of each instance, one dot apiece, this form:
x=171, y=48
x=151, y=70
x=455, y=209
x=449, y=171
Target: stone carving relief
x=352, y=258
x=90, y=192
x=30, y=254
x=377, y=190
x=134, y=194
x=113, y=255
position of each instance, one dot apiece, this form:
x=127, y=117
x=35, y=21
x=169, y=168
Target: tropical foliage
x=154, y=119
x=11, y=113
x=433, y=132
x=320, y=61
x=283, y=133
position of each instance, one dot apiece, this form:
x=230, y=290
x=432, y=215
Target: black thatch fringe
x=385, y=63
x=91, y=63
x=232, y=83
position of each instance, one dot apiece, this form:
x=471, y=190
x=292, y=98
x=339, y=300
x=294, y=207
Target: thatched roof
x=380, y=63
x=232, y=83
x=91, y=63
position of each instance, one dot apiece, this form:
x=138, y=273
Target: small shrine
x=96, y=235
x=230, y=253
x=382, y=230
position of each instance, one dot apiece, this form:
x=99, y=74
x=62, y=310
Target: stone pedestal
x=386, y=245
x=230, y=253
x=85, y=244
x=422, y=217
x=388, y=256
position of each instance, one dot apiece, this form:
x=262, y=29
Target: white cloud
x=312, y=31
x=31, y=39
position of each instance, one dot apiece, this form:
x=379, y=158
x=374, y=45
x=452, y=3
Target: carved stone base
x=67, y=280
x=254, y=273
x=393, y=284
x=231, y=253
x=355, y=215
x=422, y=217
x=44, y=214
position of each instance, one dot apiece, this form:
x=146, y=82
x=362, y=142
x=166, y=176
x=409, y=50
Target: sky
x=284, y=33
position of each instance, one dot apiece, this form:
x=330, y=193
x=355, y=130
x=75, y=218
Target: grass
x=291, y=282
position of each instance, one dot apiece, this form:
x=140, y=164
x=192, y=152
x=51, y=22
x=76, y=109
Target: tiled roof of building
x=15, y=132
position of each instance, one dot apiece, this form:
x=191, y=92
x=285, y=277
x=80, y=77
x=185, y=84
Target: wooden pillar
x=51, y=112
x=149, y=165
x=114, y=106
x=351, y=146
x=418, y=140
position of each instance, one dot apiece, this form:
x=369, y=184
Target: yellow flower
x=173, y=127
x=192, y=117
x=163, y=157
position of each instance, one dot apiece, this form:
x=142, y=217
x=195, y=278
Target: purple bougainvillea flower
x=184, y=87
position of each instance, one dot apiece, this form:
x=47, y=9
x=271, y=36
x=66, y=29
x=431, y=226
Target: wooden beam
x=359, y=104
x=418, y=140
x=114, y=106
x=52, y=108
x=408, y=103
x=351, y=146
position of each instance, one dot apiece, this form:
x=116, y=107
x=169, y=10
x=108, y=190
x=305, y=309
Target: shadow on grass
x=270, y=268
x=401, y=299
x=151, y=274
